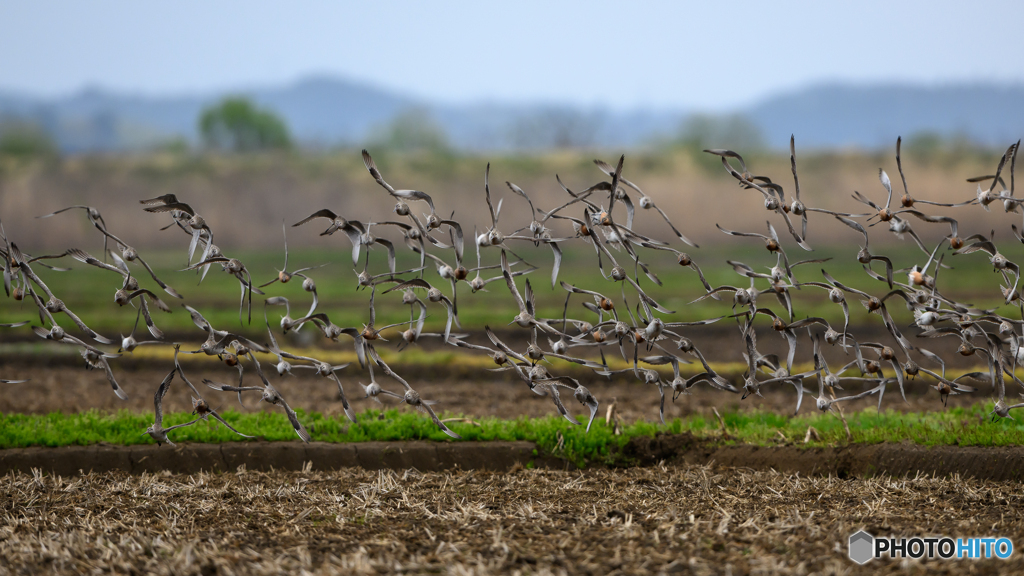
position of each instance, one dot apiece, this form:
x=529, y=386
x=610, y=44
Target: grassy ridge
x=956, y=426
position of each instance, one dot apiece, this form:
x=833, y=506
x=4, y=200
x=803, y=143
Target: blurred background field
x=247, y=197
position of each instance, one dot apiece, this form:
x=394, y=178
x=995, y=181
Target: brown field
x=671, y=520
x=73, y=389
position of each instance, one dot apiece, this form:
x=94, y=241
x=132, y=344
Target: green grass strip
x=956, y=426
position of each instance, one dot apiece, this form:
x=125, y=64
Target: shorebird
x=200, y=406
x=741, y=296
x=156, y=430
x=478, y=283
x=946, y=388
x=683, y=259
x=350, y=227
x=234, y=267
x=272, y=396
x=615, y=188
x=195, y=223
x=53, y=305
x=527, y=311
x=415, y=331
x=287, y=322
x=751, y=385
x=229, y=388
x=129, y=254
x=826, y=378
x=129, y=289
x=652, y=377
x=374, y=390
x=580, y=392
x=218, y=340
x=836, y=295
x=771, y=242
x=283, y=275
x=797, y=207
x=745, y=177
x=401, y=208
x=986, y=197
x=774, y=201
x=364, y=279
x=94, y=357
x=552, y=243
x=283, y=366
x=646, y=202
x=492, y=236
x=908, y=201
x=500, y=357
x=685, y=345
x=324, y=370
x=536, y=227
x=309, y=285
x=602, y=303
x=95, y=218
x=883, y=213
x=413, y=398
x=129, y=343
x=433, y=295
x=982, y=333
x=787, y=331
x=999, y=262
x=864, y=256
x=353, y=229
x=825, y=404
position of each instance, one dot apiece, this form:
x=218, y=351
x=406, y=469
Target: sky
x=711, y=56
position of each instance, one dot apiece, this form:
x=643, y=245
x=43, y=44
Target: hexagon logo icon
x=861, y=547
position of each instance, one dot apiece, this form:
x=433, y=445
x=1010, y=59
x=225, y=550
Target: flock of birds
x=605, y=221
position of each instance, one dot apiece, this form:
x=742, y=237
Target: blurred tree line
x=19, y=138
x=733, y=131
x=411, y=131
x=237, y=125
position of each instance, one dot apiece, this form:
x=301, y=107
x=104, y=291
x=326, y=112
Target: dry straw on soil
x=656, y=520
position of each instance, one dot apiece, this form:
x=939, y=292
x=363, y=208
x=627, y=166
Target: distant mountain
x=843, y=115
x=324, y=112
x=329, y=111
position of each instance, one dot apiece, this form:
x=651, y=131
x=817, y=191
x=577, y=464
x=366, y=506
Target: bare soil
x=62, y=384
x=662, y=520
x=70, y=389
